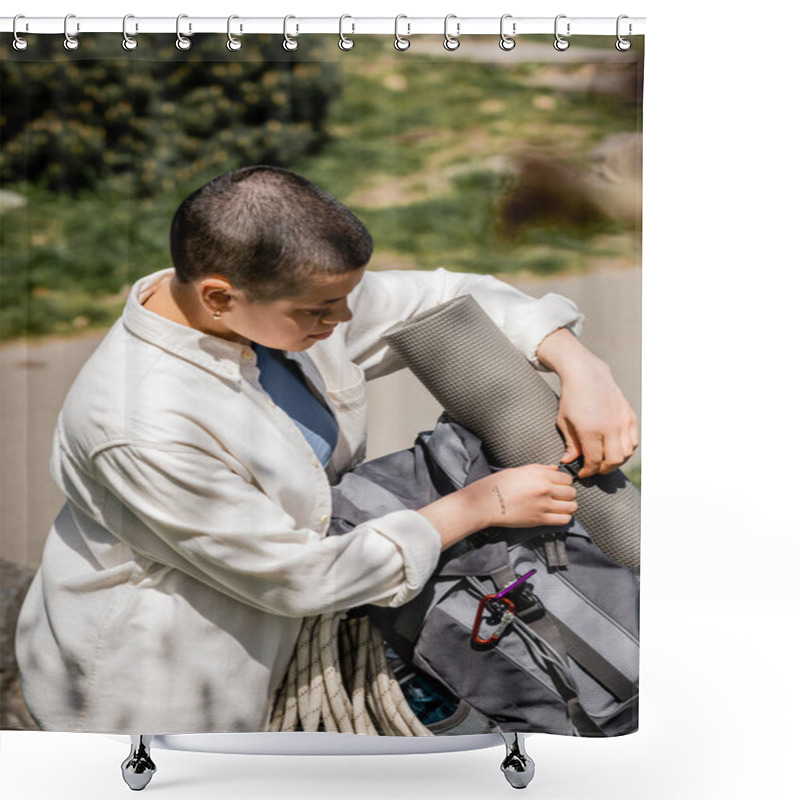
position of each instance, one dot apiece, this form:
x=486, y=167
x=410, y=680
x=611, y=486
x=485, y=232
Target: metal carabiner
x=451, y=42
x=182, y=42
x=289, y=43
x=19, y=43
x=560, y=43
x=70, y=42
x=495, y=602
x=345, y=42
x=128, y=42
x=623, y=44
x=500, y=616
x=400, y=42
x=506, y=42
x=233, y=44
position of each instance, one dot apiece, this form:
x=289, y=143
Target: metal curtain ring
x=345, y=43
x=288, y=42
x=128, y=42
x=506, y=42
x=560, y=42
x=182, y=42
x=400, y=42
x=622, y=44
x=19, y=43
x=451, y=42
x=70, y=42
x=233, y=43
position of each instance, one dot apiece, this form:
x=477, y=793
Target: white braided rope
x=339, y=681
x=358, y=692
x=337, y=710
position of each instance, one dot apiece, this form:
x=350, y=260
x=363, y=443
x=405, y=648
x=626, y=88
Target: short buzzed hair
x=266, y=230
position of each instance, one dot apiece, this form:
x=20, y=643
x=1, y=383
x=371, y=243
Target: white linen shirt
x=192, y=542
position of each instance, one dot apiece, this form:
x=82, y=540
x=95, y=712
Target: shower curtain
x=521, y=162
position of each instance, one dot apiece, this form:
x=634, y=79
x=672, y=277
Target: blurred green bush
x=157, y=117
x=100, y=146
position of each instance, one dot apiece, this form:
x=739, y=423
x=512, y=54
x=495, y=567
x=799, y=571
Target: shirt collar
x=219, y=356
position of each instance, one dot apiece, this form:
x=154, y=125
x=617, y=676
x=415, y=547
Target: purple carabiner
x=512, y=586
x=497, y=603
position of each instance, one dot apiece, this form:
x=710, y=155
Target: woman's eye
x=316, y=312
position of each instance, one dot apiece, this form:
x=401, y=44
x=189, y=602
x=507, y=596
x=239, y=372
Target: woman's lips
x=321, y=336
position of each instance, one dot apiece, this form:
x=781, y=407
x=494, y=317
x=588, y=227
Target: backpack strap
x=535, y=619
x=543, y=627
x=592, y=662
x=555, y=550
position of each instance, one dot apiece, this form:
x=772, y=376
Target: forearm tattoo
x=500, y=499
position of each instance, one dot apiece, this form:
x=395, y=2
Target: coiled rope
x=339, y=681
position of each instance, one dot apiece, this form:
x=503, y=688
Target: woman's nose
x=339, y=312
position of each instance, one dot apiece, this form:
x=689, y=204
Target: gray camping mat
x=484, y=383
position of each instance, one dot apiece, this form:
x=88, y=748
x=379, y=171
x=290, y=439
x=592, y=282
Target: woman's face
x=296, y=322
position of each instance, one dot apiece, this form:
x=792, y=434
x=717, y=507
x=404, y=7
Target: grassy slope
x=419, y=148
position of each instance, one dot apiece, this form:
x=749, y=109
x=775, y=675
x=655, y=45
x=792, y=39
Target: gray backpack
x=535, y=629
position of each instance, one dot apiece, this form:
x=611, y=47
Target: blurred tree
x=157, y=117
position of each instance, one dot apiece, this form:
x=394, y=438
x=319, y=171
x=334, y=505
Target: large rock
x=11, y=200
x=616, y=179
x=14, y=582
x=543, y=190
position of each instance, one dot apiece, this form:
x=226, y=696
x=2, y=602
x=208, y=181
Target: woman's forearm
x=456, y=516
x=563, y=352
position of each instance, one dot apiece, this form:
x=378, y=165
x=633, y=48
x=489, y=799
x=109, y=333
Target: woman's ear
x=215, y=295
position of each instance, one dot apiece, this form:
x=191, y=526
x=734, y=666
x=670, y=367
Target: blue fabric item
x=427, y=698
x=283, y=381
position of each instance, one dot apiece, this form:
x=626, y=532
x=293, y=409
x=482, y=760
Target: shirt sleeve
x=186, y=509
x=387, y=297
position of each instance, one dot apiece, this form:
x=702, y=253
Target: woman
x=196, y=450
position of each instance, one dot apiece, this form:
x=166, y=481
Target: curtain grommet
x=128, y=42
x=20, y=43
x=233, y=43
x=290, y=44
x=507, y=42
x=451, y=42
x=345, y=42
x=560, y=43
x=623, y=44
x=71, y=43
x=401, y=43
x=182, y=42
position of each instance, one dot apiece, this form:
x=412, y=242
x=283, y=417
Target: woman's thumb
x=571, y=444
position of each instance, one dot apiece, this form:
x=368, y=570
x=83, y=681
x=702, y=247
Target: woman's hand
x=521, y=497
x=594, y=417
x=596, y=421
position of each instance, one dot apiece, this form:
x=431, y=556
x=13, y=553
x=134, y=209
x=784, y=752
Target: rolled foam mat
x=485, y=384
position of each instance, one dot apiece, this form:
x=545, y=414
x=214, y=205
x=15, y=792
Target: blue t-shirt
x=284, y=382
